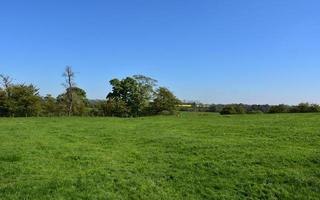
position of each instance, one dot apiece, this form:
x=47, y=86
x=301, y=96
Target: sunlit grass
x=191, y=156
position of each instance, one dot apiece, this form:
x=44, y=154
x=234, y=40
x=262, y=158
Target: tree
x=233, y=109
x=146, y=86
x=4, y=110
x=24, y=100
x=117, y=108
x=281, y=108
x=69, y=76
x=6, y=81
x=212, y=108
x=97, y=108
x=304, y=107
x=165, y=102
x=49, y=107
x=314, y=108
x=5, y=103
x=228, y=110
x=127, y=92
x=79, y=101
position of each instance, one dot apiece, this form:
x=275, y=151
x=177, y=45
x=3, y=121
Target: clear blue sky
x=217, y=51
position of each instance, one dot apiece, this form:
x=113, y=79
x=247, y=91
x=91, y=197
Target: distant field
x=193, y=156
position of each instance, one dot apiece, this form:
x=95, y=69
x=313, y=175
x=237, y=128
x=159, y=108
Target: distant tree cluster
x=130, y=97
x=249, y=109
x=301, y=108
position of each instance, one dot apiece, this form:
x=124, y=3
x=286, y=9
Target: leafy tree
x=314, y=108
x=6, y=82
x=24, y=100
x=97, y=108
x=128, y=93
x=79, y=101
x=228, y=110
x=146, y=86
x=4, y=110
x=304, y=107
x=212, y=108
x=164, y=102
x=233, y=109
x=240, y=109
x=117, y=108
x=49, y=106
x=281, y=108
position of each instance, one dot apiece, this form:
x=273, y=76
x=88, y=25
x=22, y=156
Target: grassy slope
x=194, y=156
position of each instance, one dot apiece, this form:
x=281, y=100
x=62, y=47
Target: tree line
x=251, y=109
x=130, y=97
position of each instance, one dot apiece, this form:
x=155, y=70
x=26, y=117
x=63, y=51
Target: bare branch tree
x=69, y=84
x=6, y=83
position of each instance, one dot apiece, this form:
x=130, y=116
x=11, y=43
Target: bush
x=228, y=110
x=279, y=109
x=233, y=109
x=314, y=108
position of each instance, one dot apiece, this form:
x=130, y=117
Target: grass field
x=193, y=156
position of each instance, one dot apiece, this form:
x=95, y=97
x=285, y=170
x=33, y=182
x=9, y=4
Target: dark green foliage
x=146, y=87
x=228, y=110
x=20, y=100
x=212, y=108
x=279, y=109
x=49, y=106
x=118, y=108
x=191, y=156
x=199, y=107
x=314, y=108
x=164, y=102
x=4, y=107
x=130, y=93
x=135, y=96
x=130, y=97
x=78, y=104
x=233, y=109
x=305, y=108
x=257, y=108
x=98, y=108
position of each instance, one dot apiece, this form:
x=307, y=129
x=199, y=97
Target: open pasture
x=192, y=156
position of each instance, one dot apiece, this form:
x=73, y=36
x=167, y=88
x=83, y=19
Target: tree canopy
x=130, y=97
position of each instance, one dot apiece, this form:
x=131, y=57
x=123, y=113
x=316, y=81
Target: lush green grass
x=193, y=156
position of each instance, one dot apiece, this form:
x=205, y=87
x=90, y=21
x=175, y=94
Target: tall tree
x=132, y=94
x=5, y=101
x=69, y=76
x=4, y=110
x=79, y=101
x=24, y=100
x=146, y=86
x=165, y=102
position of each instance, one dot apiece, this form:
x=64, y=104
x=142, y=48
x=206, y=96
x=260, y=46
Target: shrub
x=233, y=109
x=279, y=109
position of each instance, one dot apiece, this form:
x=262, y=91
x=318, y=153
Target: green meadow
x=190, y=156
